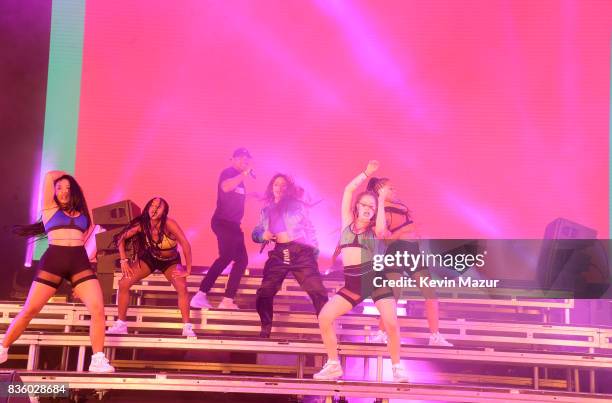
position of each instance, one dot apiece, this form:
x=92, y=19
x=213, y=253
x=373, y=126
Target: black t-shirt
x=230, y=205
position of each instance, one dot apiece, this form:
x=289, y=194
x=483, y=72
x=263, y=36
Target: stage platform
x=586, y=358
x=523, y=350
x=166, y=383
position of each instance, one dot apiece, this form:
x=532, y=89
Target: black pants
x=231, y=248
x=300, y=260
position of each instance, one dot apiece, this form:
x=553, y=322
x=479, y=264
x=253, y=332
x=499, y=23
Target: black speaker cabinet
x=106, y=283
x=108, y=262
x=112, y=215
x=562, y=256
x=105, y=239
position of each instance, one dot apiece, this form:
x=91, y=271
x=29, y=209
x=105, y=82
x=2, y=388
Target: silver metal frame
x=267, y=385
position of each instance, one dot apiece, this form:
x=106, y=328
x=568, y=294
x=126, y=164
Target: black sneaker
x=265, y=332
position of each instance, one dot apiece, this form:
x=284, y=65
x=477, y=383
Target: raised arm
x=347, y=196
x=176, y=230
x=49, y=189
x=381, y=218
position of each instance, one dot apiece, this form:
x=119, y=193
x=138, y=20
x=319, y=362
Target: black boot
x=265, y=331
x=265, y=311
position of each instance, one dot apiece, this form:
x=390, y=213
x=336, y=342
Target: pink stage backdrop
x=490, y=116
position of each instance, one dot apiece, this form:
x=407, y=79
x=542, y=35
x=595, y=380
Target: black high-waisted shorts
x=360, y=282
x=65, y=262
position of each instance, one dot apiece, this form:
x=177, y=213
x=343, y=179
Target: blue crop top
x=61, y=220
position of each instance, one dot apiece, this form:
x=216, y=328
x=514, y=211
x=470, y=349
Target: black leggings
x=231, y=248
x=298, y=259
x=359, y=284
x=65, y=262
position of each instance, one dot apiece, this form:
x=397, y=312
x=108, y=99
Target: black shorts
x=360, y=283
x=65, y=262
x=155, y=263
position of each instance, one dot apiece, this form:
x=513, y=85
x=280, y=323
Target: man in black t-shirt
x=225, y=224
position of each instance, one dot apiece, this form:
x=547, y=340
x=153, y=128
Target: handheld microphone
x=263, y=246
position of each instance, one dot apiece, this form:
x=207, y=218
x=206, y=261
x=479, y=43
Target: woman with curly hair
x=154, y=237
x=284, y=221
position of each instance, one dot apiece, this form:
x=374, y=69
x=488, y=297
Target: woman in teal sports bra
x=364, y=229
x=154, y=237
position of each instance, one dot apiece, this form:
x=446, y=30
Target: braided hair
x=144, y=238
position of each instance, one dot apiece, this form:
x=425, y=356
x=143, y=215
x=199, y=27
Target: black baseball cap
x=241, y=152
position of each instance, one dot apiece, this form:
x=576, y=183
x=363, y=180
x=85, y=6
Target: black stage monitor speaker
x=108, y=263
x=569, y=258
x=105, y=239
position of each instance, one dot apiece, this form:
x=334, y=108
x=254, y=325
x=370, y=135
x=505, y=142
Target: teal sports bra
x=366, y=240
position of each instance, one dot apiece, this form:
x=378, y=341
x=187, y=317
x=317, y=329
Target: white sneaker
x=399, y=373
x=99, y=363
x=227, y=303
x=200, y=300
x=3, y=354
x=436, y=339
x=119, y=327
x=331, y=371
x=379, y=337
x=188, y=330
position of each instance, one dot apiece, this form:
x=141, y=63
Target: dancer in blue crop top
x=364, y=228
x=66, y=221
